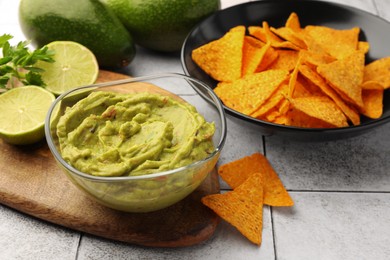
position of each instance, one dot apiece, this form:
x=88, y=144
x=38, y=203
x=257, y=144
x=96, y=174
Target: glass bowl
x=157, y=190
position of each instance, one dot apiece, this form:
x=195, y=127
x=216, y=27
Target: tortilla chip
x=363, y=46
x=301, y=90
x=269, y=35
x=241, y=207
x=237, y=172
x=253, y=53
x=284, y=106
x=289, y=35
x=269, y=57
x=276, y=41
x=248, y=93
x=322, y=108
x=293, y=22
x=372, y=99
x=293, y=78
x=337, y=43
x=285, y=45
x=222, y=58
x=314, y=46
x=378, y=70
x=277, y=119
x=287, y=59
x=257, y=32
x=372, y=84
x=304, y=88
x=346, y=76
x=272, y=102
x=275, y=194
x=297, y=118
x=315, y=58
x=351, y=113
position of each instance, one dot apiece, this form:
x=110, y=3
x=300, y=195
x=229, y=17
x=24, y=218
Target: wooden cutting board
x=31, y=182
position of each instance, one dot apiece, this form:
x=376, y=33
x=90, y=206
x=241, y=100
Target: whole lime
x=161, y=25
x=88, y=22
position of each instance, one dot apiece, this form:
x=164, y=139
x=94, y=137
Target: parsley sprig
x=17, y=63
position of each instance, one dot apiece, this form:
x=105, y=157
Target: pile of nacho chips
x=254, y=184
x=313, y=77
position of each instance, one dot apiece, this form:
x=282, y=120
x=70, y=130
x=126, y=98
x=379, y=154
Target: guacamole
x=116, y=134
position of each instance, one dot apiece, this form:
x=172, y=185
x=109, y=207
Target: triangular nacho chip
x=248, y=93
x=275, y=40
x=253, y=53
x=257, y=32
x=372, y=99
x=297, y=118
x=293, y=78
x=363, y=46
x=310, y=89
x=275, y=194
x=337, y=43
x=289, y=35
x=346, y=76
x=234, y=173
x=322, y=108
x=270, y=57
x=378, y=70
x=293, y=22
x=222, y=58
x=287, y=59
x=271, y=102
x=315, y=58
x=237, y=172
x=242, y=207
x=311, y=75
x=372, y=84
x=304, y=87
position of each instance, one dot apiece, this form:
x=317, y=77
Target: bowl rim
x=217, y=103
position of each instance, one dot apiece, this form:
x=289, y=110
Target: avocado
x=161, y=25
x=88, y=22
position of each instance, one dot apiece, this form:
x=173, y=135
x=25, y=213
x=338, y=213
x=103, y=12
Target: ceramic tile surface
x=341, y=190
x=355, y=164
x=333, y=225
x=219, y=246
x=24, y=237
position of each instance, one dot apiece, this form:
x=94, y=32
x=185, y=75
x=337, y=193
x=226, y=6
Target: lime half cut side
x=74, y=66
x=22, y=114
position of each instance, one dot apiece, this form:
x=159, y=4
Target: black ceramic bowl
x=373, y=29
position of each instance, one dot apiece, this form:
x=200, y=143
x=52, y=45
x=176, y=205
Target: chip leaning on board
x=312, y=76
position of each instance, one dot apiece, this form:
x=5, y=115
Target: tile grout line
x=270, y=208
x=329, y=191
x=341, y=191
x=376, y=8
x=79, y=245
x=273, y=232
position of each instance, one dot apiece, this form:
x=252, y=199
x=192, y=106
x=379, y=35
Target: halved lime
x=22, y=114
x=74, y=66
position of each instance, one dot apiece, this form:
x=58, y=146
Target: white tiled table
x=341, y=191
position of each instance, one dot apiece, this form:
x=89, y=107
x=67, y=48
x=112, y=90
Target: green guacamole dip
x=114, y=134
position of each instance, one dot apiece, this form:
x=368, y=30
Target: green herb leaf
x=4, y=39
x=33, y=78
x=17, y=63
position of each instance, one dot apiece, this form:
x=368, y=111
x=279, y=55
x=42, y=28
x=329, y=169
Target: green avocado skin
x=161, y=25
x=88, y=22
